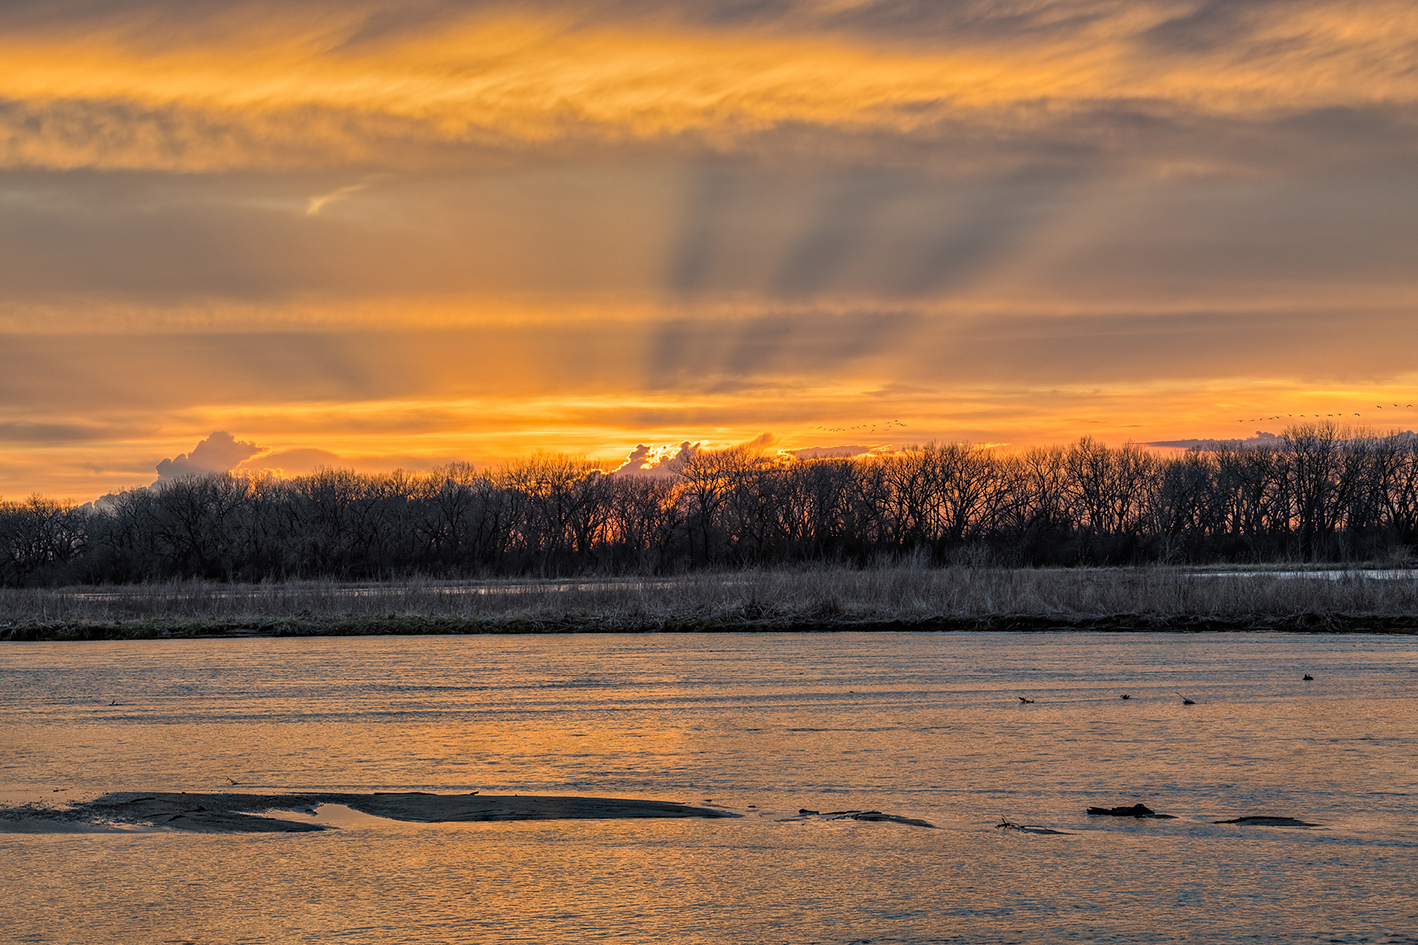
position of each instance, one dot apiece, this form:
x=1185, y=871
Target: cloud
x=29, y=432
x=831, y=452
x=993, y=85
x=656, y=462
x=762, y=441
x=1195, y=26
x=666, y=461
x=880, y=238
x=220, y=452
x=1260, y=439
x=297, y=461
x=319, y=203
x=1215, y=24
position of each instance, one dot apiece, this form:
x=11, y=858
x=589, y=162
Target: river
x=927, y=726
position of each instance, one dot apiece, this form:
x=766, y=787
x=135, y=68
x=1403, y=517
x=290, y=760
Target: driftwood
x=870, y=816
x=1030, y=828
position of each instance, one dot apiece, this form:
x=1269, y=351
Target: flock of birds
x=1185, y=700
x=1316, y=415
x=868, y=427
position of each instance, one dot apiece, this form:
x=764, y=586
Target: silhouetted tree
x=1320, y=494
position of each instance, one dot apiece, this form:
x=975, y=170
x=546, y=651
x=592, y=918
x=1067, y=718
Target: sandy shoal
x=287, y=813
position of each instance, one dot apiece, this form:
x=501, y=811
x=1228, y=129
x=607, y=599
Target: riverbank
x=887, y=599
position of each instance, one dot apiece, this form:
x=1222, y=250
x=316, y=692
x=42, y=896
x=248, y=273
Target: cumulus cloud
x=220, y=452
x=656, y=462
x=667, y=461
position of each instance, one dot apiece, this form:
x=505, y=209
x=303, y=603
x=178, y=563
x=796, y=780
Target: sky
x=397, y=234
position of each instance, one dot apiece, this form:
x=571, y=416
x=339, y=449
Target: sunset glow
x=379, y=235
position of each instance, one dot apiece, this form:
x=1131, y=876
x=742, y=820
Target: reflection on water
x=926, y=726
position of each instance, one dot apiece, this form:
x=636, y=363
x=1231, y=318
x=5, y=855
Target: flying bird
x=1026, y=701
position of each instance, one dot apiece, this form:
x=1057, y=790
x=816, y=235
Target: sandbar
x=290, y=813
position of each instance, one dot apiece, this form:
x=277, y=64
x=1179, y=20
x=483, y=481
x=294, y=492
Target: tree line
x=1319, y=494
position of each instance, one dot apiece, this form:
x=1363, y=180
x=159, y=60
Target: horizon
x=221, y=453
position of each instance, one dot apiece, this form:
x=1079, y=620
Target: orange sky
x=394, y=234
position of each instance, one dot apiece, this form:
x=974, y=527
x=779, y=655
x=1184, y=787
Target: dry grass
x=823, y=599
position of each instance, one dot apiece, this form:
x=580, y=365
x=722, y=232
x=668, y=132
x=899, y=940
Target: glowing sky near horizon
x=384, y=234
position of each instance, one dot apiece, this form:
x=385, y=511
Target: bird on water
x=1185, y=700
x=1026, y=701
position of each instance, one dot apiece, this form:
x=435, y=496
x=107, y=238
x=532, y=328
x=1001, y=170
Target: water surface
x=922, y=725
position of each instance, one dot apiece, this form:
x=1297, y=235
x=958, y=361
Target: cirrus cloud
x=252, y=86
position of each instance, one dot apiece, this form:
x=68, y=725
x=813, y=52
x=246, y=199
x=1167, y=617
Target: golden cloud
x=292, y=93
